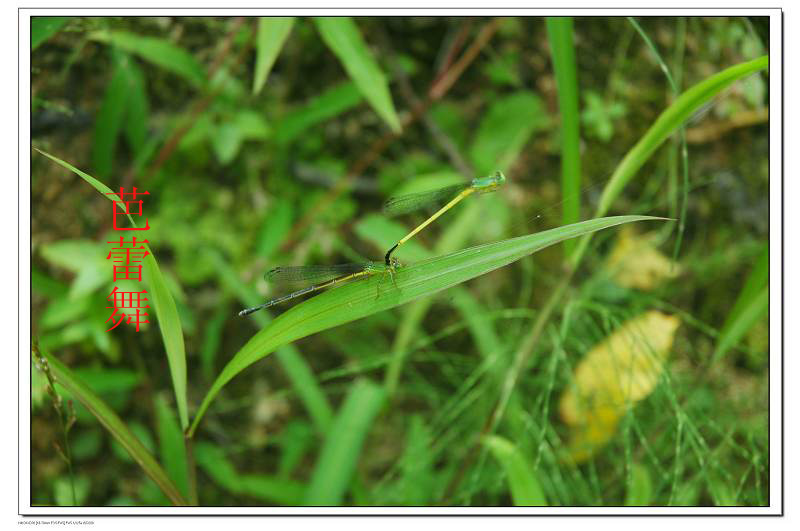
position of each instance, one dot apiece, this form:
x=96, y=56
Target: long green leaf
x=754, y=310
x=272, y=33
x=109, y=121
x=559, y=32
x=357, y=300
x=666, y=124
x=42, y=28
x=160, y=52
x=171, y=444
x=525, y=488
x=168, y=321
x=137, y=116
x=213, y=461
x=505, y=129
x=339, y=456
x=746, y=302
x=66, y=378
x=343, y=38
x=333, y=101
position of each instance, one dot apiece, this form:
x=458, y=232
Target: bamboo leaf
x=331, y=102
x=168, y=321
x=159, y=52
x=110, y=421
x=358, y=299
x=341, y=35
x=272, y=33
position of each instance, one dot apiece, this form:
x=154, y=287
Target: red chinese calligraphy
x=128, y=300
x=123, y=207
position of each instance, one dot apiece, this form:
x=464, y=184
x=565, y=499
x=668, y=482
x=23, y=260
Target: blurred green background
x=250, y=167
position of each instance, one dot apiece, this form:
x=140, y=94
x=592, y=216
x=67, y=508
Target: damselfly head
x=394, y=263
x=489, y=183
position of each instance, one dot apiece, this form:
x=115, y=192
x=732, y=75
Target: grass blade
x=559, y=32
x=667, y=123
x=109, y=118
x=42, y=28
x=110, y=421
x=213, y=461
x=160, y=52
x=339, y=456
x=137, y=117
x=272, y=33
x=341, y=35
x=505, y=129
x=746, y=302
x=172, y=446
x=525, y=488
x=639, y=492
x=751, y=312
x=358, y=299
x=168, y=321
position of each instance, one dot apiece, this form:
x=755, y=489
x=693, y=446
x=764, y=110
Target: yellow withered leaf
x=619, y=371
x=636, y=262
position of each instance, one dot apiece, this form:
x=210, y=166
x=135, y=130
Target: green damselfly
x=404, y=204
x=323, y=276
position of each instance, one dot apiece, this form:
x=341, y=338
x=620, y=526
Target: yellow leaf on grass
x=636, y=262
x=619, y=371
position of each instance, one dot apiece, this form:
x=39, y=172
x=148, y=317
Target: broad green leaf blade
x=67, y=379
x=42, y=28
x=359, y=299
x=273, y=489
x=108, y=124
x=168, y=321
x=667, y=123
x=272, y=33
x=339, y=456
x=525, y=488
x=756, y=281
x=343, y=38
x=171, y=444
x=755, y=309
x=137, y=117
x=332, y=102
x=505, y=129
x=559, y=32
x=160, y=52
x=125, y=106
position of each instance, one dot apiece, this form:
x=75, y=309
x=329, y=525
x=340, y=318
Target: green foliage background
x=270, y=142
